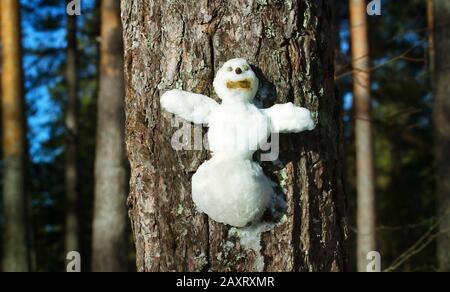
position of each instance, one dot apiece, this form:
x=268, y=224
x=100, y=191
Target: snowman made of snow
x=230, y=187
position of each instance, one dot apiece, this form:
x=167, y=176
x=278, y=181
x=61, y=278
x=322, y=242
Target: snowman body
x=237, y=129
x=230, y=187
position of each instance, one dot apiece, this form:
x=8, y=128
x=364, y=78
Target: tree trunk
x=72, y=240
x=181, y=44
x=16, y=256
x=110, y=222
x=431, y=56
x=441, y=81
x=366, y=219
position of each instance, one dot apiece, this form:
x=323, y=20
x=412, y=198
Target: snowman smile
x=241, y=84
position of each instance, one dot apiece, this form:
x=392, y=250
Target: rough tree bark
x=72, y=232
x=366, y=214
x=110, y=213
x=441, y=88
x=16, y=255
x=181, y=44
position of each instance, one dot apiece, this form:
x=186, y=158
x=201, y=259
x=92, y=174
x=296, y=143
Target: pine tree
x=182, y=44
x=16, y=255
x=366, y=218
x=72, y=230
x=109, y=244
x=441, y=90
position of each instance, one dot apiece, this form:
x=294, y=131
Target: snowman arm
x=192, y=107
x=288, y=118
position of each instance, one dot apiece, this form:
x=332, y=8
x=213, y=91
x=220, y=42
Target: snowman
x=231, y=188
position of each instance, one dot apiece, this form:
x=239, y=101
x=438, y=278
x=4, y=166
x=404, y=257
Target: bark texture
x=72, y=232
x=441, y=81
x=16, y=255
x=110, y=213
x=366, y=218
x=181, y=44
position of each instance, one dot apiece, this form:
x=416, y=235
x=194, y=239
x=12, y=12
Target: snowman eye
x=229, y=69
x=245, y=67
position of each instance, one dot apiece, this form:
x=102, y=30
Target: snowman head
x=236, y=82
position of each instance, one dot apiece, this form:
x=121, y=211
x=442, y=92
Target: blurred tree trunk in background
x=181, y=44
x=110, y=221
x=72, y=235
x=366, y=217
x=441, y=81
x=431, y=52
x=16, y=255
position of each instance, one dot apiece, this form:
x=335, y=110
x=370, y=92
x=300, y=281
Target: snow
x=236, y=95
x=237, y=130
x=196, y=110
x=233, y=191
x=250, y=238
x=230, y=187
x=288, y=118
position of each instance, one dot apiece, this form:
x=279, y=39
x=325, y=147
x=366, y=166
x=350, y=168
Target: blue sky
x=43, y=110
